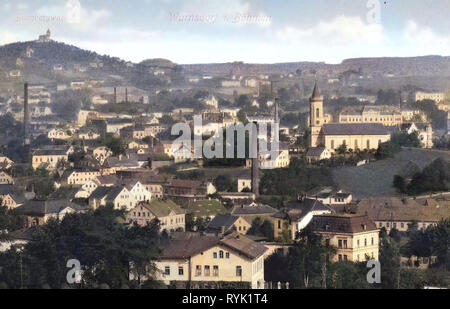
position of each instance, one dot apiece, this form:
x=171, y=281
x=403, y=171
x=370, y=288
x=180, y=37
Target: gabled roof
x=163, y=208
x=354, y=129
x=342, y=223
x=253, y=209
x=315, y=151
x=186, y=248
x=219, y=221
x=41, y=208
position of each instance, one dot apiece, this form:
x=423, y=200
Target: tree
x=116, y=144
x=399, y=183
x=390, y=262
x=262, y=228
x=109, y=252
x=223, y=183
x=434, y=177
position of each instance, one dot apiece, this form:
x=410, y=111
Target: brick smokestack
x=115, y=95
x=26, y=115
x=255, y=161
x=126, y=95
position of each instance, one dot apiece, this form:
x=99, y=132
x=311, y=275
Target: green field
x=375, y=178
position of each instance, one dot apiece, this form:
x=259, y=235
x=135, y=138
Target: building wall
x=332, y=142
x=51, y=160
x=252, y=270
x=358, y=245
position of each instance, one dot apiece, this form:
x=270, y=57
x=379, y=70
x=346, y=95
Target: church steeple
x=316, y=92
x=316, y=116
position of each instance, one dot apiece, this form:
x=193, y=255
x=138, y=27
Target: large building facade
x=355, y=136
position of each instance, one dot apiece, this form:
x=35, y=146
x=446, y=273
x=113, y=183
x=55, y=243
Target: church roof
x=354, y=129
x=316, y=91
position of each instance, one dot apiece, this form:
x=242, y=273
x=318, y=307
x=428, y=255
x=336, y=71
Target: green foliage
x=262, y=228
x=116, y=144
x=224, y=183
x=298, y=177
x=399, y=140
x=399, y=183
x=434, y=177
x=438, y=118
x=108, y=251
x=9, y=221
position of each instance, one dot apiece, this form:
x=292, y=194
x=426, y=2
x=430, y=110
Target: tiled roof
x=163, y=208
x=354, y=129
x=47, y=207
x=315, y=151
x=342, y=223
x=392, y=208
x=253, y=209
x=220, y=221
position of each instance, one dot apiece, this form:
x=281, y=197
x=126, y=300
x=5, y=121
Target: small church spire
x=316, y=91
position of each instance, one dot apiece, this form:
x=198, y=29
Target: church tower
x=316, y=117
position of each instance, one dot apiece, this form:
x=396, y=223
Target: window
x=365, y=242
x=340, y=243
x=227, y=255
x=238, y=271
x=167, y=271
x=372, y=241
x=220, y=254
x=215, y=255
x=368, y=144
x=207, y=272
x=181, y=271
x=340, y=257
x=198, y=270
x=327, y=242
x=345, y=243
x=345, y=258
x=215, y=271
x=357, y=242
x=317, y=112
x=332, y=144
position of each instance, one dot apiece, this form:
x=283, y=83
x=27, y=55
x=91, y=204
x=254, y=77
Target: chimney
x=26, y=115
x=255, y=162
x=126, y=95
x=222, y=230
x=115, y=95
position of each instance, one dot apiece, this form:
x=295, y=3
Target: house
x=81, y=177
x=101, y=153
x=423, y=130
x=121, y=162
x=316, y=154
x=86, y=133
x=290, y=221
x=10, y=197
x=6, y=179
x=116, y=196
x=189, y=188
x=355, y=236
x=170, y=215
x=225, y=224
x=49, y=157
x=60, y=134
x=5, y=162
x=213, y=262
x=392, y=212
x=181, y=153
x=271, y=159
x=39, y=212
x=251, y=211
x=137, y=190
x=244, y=182
x=329, y=196
x=154, y=184
x=86, y=189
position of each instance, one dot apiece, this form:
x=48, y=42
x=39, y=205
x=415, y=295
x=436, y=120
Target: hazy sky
x=256, y=31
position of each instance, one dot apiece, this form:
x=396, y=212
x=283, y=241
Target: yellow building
x=438, y=97
x=49, y=158
x=212, y=262
x=355, y=236
x=385, y=115
x=332, y=135
x=170, y=215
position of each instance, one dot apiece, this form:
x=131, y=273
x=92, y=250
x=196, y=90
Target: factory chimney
x=115, y=95
x=255, y=161
x=26, y=116
x=126, y=95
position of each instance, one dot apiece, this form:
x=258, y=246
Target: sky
x=253, y=31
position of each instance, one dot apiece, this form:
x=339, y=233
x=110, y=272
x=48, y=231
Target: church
x=332, y=135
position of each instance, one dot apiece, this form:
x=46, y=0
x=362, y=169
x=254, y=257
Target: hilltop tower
x=316, y=117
